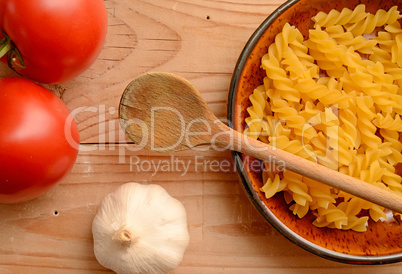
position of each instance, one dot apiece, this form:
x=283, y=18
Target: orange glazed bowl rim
x=246, y=77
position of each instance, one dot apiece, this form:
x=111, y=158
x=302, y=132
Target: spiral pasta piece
x=294, y=147
x=339, y=145
x=300, y=210
x=364, y=124
x=331, y=217
x=373, y=174
x=396, y=146
x=359, y=43
x=323, y=93
x=386, y=81
x=377, y=212
x=393, y=28
x=349, y=125
x=358, y=224
x=392, y=180
x=396, y=50
x=288, y=114
x=369, y=87
x=298, y=189
x=321, y=194
x=388, y=122
x=324, y=49
x=341, y=18
x=371, y=21
x=256, y=112
x=279, y=77
x=352, y=208
x=271, y=187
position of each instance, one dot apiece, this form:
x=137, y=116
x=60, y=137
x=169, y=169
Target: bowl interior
x=382, y=241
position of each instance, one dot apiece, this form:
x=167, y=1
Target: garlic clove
x=140, y=229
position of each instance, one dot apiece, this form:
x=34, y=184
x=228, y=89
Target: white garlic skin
x=140, y=229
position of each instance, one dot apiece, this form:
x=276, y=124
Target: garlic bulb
x=140, y=229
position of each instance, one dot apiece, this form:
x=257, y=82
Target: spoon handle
x=244, y=144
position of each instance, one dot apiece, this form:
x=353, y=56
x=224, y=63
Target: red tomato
x=38, y=140
x=57, y=39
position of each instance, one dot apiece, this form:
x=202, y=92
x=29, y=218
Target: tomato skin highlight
x=39, y=140
x=57, y=40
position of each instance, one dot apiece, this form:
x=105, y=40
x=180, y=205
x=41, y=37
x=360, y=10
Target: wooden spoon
x=163, y=112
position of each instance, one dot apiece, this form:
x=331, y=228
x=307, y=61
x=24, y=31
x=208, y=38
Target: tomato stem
x=8, y=47
x=5, y=45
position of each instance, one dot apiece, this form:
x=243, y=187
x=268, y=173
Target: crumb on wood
x=57, y=89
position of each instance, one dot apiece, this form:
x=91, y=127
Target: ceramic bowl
x=382, y=242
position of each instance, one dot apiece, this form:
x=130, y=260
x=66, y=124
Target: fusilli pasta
x=335, y=99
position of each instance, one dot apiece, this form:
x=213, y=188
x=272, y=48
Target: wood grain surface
x=201, y=41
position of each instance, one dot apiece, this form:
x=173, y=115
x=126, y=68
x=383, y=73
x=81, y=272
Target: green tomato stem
x=8, y=47
x=5, y=45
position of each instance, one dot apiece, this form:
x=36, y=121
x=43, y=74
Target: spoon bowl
x=151, y=112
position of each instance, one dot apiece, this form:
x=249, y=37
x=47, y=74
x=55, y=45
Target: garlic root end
x=124, y=236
